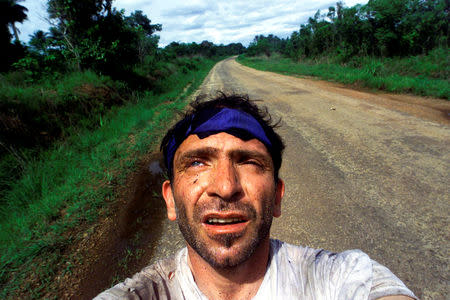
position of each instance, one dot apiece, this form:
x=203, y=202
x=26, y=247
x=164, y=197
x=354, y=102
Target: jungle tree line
x=266, y=45
x=379, y=28
x=92, y=34
x=205, y=48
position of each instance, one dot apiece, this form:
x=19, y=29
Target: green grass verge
x=426, y=76
x=68, y=184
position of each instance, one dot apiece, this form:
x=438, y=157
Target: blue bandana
x=209, y=122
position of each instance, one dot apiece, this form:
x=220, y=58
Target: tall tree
x=76, y=22
x=138, y=20
x=148, y=43
x=10, y=13
x=97, y=36
x=38, y=41
x=387, y=17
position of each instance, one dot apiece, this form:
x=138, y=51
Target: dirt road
x=362, y=170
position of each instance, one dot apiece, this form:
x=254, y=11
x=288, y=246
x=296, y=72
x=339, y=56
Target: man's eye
x=253, y=162
x=196, y=163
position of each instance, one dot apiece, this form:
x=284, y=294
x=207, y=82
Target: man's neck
x=240, y=282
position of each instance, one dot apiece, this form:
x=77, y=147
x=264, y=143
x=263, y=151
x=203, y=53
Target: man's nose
x=225, y=181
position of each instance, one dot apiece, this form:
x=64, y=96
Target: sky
x=218, y=21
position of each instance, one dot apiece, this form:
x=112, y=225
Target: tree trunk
x=15, y=31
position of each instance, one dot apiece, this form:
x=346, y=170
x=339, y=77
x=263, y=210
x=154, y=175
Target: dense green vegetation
x=80, y=106
x=399, y=46
x=381, y=28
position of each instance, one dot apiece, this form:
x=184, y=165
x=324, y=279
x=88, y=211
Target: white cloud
x=220, y=21
x=37, y=14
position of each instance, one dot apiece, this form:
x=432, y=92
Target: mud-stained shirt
x=293, y=272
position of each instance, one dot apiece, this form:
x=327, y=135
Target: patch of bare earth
x=120, y=243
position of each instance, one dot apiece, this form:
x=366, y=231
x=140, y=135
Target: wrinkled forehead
x=213, y=121
x=219, y=144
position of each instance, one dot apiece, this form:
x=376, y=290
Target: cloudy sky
x=219, y=21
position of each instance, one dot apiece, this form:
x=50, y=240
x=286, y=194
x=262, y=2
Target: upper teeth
x=215, y=220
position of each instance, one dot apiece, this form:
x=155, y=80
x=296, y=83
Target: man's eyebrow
x=236, y=153
x=253, y=154
x=199, y=152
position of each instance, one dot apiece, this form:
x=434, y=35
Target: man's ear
x=279, y=195
x=170, y=202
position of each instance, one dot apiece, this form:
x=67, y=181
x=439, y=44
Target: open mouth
x=224, y=221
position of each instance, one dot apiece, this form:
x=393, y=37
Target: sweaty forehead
x=220, y=143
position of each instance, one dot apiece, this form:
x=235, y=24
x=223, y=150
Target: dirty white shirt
x=293, y=272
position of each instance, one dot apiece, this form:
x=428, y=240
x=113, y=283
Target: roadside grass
x=421, y=75
x=35, y=114
x=68, y=184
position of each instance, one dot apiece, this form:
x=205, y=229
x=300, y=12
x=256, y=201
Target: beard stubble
x=190, y=230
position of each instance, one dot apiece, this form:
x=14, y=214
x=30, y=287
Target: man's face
x=224, y=196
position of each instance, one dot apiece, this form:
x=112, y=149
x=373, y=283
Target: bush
x=37, y=114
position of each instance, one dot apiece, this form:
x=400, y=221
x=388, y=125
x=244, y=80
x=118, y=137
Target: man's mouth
x=224, y=221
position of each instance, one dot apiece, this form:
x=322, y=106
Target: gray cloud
x=184, y=11
x=192, y=27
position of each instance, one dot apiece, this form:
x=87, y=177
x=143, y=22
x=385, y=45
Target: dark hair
x=239, y=102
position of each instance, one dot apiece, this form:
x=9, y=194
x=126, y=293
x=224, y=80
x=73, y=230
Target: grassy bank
x=66, y=185
x=421, y=75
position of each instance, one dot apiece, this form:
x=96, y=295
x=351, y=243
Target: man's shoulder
x=152, y=282
x=312, y=256
x=162, y=269
x=346, y=273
